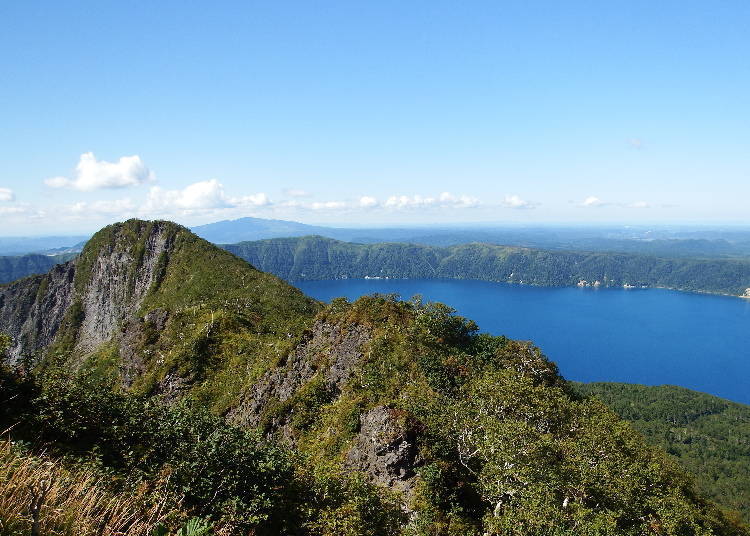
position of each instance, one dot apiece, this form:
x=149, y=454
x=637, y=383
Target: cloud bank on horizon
x=208, y=199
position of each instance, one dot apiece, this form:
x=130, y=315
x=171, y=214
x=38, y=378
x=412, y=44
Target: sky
x=382, y=113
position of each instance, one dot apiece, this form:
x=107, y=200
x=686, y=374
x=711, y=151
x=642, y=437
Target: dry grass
x=39, y=496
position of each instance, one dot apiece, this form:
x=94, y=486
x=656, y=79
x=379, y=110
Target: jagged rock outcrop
x=135, y=334
x=32, y=309
x=119, y=278
x=333, y=350
x=100, y=290
x=385, y=449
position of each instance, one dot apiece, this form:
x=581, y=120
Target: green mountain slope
x=12, y=268
x=158, y=308
x=321, y=258
x=194, y=381
x=709, y=436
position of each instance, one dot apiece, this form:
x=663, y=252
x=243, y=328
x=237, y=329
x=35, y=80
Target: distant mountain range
x=696, y=242
x=243, y=229
x=689, y=242
x=536, y=256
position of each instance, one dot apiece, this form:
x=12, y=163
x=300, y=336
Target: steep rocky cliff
x=32, y=310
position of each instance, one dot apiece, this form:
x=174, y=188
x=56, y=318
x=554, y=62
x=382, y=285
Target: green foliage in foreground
x=506, y=448
x=186, y=459
x=708, y=436
x=314, y=257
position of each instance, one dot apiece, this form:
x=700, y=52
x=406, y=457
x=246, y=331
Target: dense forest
x=313, y=257
x=709, y=436
x=172, y=384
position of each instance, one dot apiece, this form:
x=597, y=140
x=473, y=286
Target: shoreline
x=574, y=285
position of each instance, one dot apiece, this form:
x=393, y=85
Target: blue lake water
x=651, y=337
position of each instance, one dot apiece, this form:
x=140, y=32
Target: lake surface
x=651, y=337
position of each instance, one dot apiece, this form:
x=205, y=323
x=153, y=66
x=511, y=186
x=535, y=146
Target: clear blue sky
x=373, y=112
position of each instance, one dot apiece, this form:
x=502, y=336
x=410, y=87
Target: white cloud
x=296, y=192
x=199, y=195
x=6, y=194
x=445, y=199
x=23, y=210
x=404, y=201
x=16, y=209
x=462, y=201
x=514, y=201
x=592, y=201
x=328, y=205
x=203, y=195
x=92, y=174
x=255, y=200
x=367, y=201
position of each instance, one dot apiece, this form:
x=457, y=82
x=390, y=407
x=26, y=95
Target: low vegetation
x=42, y=496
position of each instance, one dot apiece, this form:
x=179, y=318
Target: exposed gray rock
x=135, y=331
x=326, y=347
x=32, y=309
x=385, y=449
x=171, y=387
x=114, y=291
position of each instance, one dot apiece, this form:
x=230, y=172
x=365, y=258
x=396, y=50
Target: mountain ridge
x=318, y=257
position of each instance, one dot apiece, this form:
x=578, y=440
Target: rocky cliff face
x=385, y=446
x=326, y=348
x=385, y=449
x=118, y=281
x=32, y=309
x=97, y=292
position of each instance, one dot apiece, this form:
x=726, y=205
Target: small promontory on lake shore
x=158, y=384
